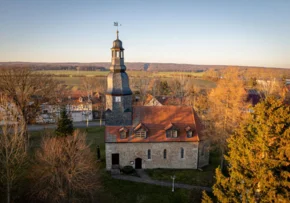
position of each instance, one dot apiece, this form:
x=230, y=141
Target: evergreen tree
x=64, y=124
x=259, y=157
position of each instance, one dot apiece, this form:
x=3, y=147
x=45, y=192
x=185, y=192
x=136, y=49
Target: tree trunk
x=26, y=136
x=222, y=159
x=8, y=192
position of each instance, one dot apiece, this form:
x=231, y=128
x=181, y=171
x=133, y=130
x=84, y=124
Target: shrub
x=128, y=170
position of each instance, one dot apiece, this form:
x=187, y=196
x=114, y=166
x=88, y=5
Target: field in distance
x=75, y=73
x=73, y=78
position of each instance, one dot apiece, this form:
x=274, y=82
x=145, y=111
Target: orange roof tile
x=156, y=119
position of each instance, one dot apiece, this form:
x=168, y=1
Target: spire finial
x=117, y=24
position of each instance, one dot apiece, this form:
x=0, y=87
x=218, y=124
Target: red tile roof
x=155, y=119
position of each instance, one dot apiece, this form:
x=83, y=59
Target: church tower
x=119, y=94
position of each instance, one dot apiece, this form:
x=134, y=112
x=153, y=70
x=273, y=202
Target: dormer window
x=123, y=133
x=140, y=131
x=189, y=132
x=171, y=131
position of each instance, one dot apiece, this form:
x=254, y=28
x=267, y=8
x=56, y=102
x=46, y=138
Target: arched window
x=181, y=153
x=149, y=154
x=164, y=154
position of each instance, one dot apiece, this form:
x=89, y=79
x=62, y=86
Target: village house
x=154, y=136
x=79, y=108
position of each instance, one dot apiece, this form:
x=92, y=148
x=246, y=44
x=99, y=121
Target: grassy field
x=120, y=191
x=73, y=78
x=192, y=177
x=72, y=73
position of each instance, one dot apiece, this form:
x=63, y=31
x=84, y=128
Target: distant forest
x=152, y=67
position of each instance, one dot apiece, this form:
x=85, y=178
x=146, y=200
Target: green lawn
x=120, y=191
x=189, y=176
x=95, y=136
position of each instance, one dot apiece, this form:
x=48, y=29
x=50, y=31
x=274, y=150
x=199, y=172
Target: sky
x=210, y=32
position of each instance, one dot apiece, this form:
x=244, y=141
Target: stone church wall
x=203, y=159
x=128, y=152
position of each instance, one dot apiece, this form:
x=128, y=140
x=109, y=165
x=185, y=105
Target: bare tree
x=141, y=85
x=27, y=89
x=179, y=86
x=91, y=84
x=64, y=168
x=12, y=146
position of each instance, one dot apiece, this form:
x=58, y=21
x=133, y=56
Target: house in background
x=148, y=136
x=79, y=108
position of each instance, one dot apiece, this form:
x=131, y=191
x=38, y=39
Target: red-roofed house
x=148, y=136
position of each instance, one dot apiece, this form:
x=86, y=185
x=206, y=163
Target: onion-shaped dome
x=117, y=43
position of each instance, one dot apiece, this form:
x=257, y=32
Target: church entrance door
x=138, y=163
x=115, y=159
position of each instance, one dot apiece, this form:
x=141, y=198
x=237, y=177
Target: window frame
x=182, y=153
x=141, y=133
x=164, y=154
x=172, y=133
x=149, y=154
x=189, y=134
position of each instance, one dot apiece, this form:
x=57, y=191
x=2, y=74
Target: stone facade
x=128, y=152
x=203, y=155
x=120, y=112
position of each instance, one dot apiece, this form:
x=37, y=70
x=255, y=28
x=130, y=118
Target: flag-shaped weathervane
x=117, y=24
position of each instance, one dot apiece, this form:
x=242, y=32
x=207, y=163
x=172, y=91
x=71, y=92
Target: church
x=147, y=137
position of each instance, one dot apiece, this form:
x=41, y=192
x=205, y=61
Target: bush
x=128, y=170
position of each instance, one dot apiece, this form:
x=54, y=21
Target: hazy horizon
x=247, y=33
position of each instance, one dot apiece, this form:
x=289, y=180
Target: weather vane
x=117, y=24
